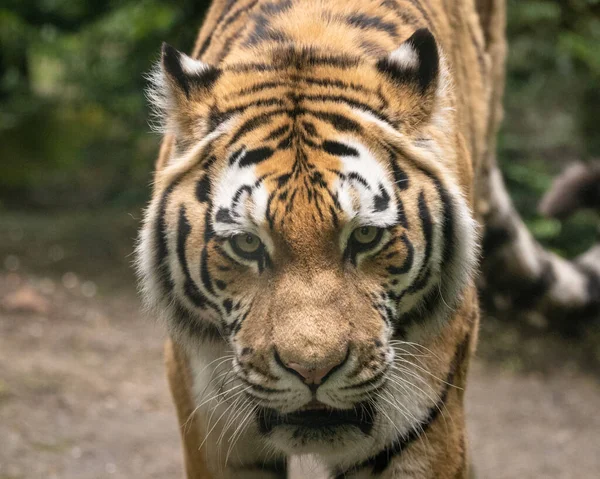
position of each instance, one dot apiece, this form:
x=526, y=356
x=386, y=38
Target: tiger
x=325, y=183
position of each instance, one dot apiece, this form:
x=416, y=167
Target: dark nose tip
x=312, y=375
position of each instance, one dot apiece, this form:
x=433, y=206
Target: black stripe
x=262, y=389
x=376, y=112
x=356, y=177
x=274, y=8
x=368, y=382
x=208, y=39
x=427, y=226
x=261, y=103
x=160, y=235
x=340, y=122
x=203, y=330
x=227, y=44
x=189, y=287
x=310, y=128
x=448, y=215
x=277, y=133
x=285, y=143
x=286, y=59
x=263, y=31
x=421, y=282
x=401, y=218
x=224, y=216
x=422, y=11
x=203, y=185
x=306, y=57
x=389, y=244
x=256, y=156
x=204, y=272
x=180, y=314
x=235, y=156
x=425, y=309
x=330, y=82
x=408, y=262
x=367, y=22
x=234, y=16
x=227, y=304
x=204, y=46
x=251, y=125
x=401, y=180
x=257, y=87
x=338, y=149
x=406, y=17
x=241, y=190
x=382, y=200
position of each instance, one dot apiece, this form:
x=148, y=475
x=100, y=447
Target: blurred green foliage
x=73, y=117
x=552, y=105
x=74, y=122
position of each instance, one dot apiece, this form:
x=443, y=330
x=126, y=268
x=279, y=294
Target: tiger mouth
x=318, y=416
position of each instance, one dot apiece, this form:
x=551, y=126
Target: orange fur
x=308, y=308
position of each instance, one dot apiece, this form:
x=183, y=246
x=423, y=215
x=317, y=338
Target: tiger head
x=313, y=214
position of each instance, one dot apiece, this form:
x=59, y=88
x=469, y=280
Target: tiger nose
x=313, y=375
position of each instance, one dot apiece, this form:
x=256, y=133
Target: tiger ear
x=184, y=74
x=177, y=82
x=415, y=62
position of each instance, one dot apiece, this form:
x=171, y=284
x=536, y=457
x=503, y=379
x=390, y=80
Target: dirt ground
x=83, y=396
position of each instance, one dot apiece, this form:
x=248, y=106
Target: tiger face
x=311, y=218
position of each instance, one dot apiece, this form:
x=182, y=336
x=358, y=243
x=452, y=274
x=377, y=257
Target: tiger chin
x=310, y=243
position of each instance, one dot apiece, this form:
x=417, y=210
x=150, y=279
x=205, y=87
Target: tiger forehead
x=298, y=70
x=297, y=79
x=295, y=177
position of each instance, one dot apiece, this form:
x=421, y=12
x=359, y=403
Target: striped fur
x=295, y=127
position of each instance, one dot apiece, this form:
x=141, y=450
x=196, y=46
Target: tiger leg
x=180, y=385
x=203, y=458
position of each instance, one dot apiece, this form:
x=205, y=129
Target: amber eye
x=365, y=235
x=246, y=244
x=363, y=240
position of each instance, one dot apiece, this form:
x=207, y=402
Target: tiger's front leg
x=218, y=439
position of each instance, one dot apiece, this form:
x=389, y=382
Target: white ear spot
x=405, y=57
x=191, y=66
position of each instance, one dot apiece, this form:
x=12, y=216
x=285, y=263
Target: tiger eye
x=365, y=234
x=247, y=242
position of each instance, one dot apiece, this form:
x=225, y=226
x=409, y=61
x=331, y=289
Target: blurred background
x=81, y=385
